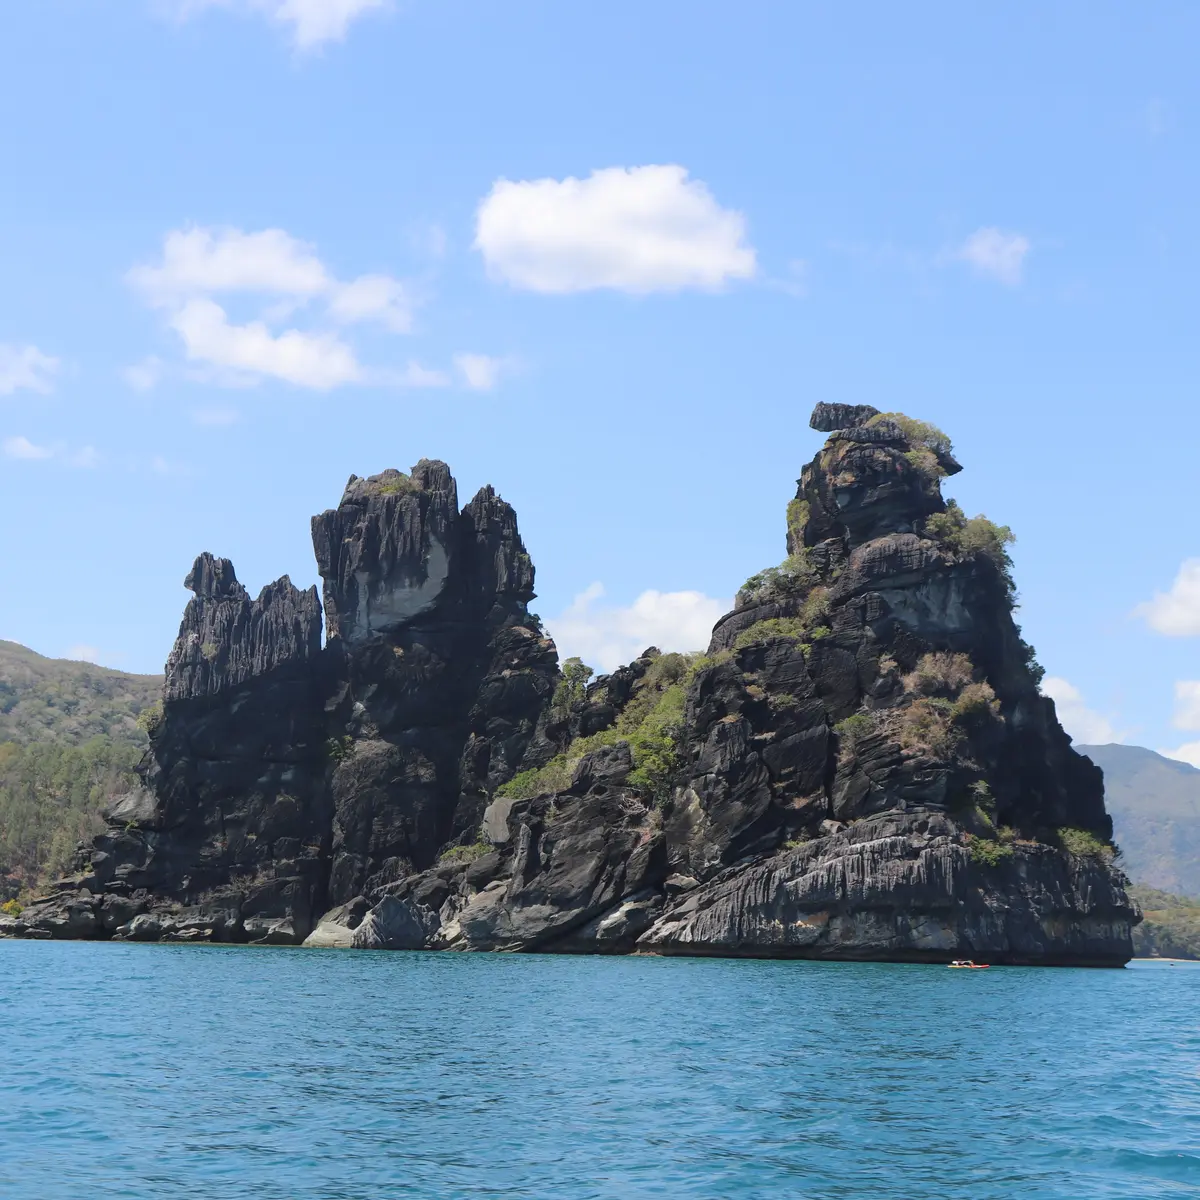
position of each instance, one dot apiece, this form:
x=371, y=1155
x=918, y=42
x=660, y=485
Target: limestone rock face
x=861, y=766
x=283, y=778
x=385, y=552
x=225, y=637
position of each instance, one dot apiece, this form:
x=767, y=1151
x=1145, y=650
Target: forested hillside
x=53, y=699
x=69, y=739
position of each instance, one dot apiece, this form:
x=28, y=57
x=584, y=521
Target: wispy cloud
x=309, y=23
x=285, y=276
x=996, y=254
x=143, y=376
x=480, y=372
x=26, y=368
x=20, y=447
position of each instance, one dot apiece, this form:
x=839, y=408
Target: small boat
x=965, y=964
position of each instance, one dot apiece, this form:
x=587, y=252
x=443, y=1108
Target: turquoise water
x=155, y=1072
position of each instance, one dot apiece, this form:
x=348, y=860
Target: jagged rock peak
x=397, y=548
x=225, y=638
x=429, y=475
x=828, y=417
x=502, y=565
x=877, y=474
x=385, y=554
x=214, y=578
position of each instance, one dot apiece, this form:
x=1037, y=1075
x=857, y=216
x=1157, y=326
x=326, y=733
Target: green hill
x=53, y=699
x=1171, y=928
x=69, y=739
x=1155, y=807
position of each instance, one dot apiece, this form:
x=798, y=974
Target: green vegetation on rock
x=919, y=433
x=852, y=730
x=1079, y=843
x=465, y=854
x=973, y=536
x=989, y=852
x=571, y=687
x=652, y=723
x=797, y=518
x=397, y=484
x=795, y=574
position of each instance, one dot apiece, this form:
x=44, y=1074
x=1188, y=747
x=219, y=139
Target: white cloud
x=1189, y=752
x=143, y=376
x=1084, y=724
x=997, y=254
x=1176, y=612
x=199, y=261
x=372, y=298
x=198, y=264
x=22, y=447
x=25, y=367
x=313, y=360
x=479, y=372
x=311, y=22
x=635, y=229
x=606, y=636
x=1187, y=704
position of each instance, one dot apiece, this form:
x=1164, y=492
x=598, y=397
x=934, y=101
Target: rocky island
x=860, y=766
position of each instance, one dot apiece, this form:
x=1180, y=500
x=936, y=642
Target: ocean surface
x=155, y=1072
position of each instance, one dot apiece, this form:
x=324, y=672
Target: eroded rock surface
x=861, y=766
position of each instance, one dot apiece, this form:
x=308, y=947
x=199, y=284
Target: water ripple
x=163, y=1072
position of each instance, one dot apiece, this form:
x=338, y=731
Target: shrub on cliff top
x=973, y=536
x=571, y=686
x=1079, y=843
x=792, y=575
x=989, y=853
x=940, y=671
x=394, y=485
x=919, y=433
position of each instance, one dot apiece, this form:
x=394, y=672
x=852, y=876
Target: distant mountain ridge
x=1154, y=802
x=53, y=699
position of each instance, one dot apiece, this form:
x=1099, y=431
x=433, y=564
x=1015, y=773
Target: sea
x=151, y=1072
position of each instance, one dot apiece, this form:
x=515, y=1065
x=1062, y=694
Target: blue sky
x=605, y=258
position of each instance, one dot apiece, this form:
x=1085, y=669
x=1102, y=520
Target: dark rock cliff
x=860, y=766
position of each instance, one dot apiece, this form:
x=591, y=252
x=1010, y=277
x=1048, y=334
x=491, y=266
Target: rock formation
x=861, y=765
